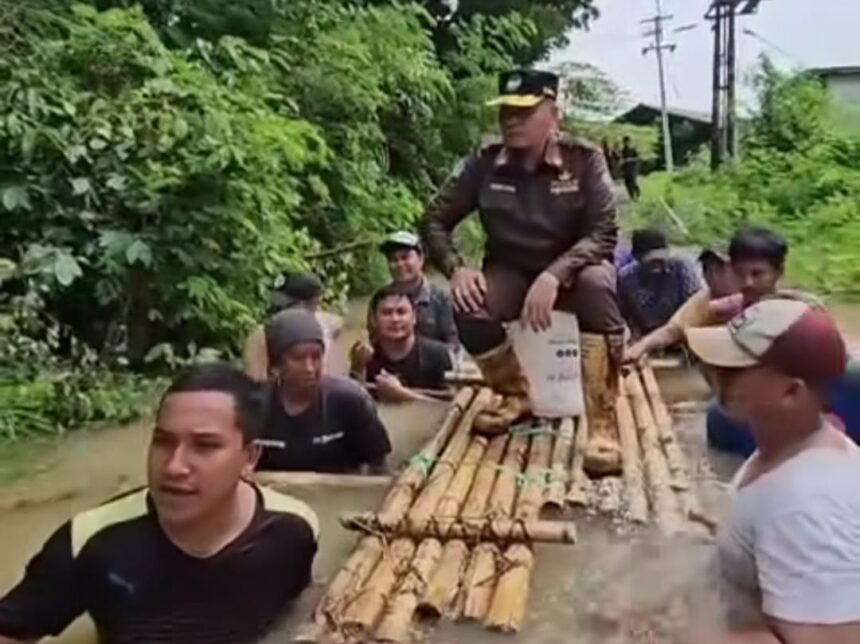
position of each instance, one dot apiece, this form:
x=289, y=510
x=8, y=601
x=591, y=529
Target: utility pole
x=658, y=46
x=716, y=102
x=724, y=14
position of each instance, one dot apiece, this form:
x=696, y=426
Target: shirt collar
x=551, y=156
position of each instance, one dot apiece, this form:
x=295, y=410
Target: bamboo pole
x=674, y=454
x=488, y=470
x=663, y=500
x=401, y=495
x=634, y=490
x=428, y=499
x=508, y=607
x=560, y=464
x=530, y=498
x=348, y=581
x=360, y=616
x=397, y=619
x=471, y=530
x=442, y=588
x=479, y=582
x=501, y=501
x=291, y=480
x=455, y=495
x=576, y=491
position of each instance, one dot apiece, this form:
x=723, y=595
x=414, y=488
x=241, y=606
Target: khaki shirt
x=559, y=218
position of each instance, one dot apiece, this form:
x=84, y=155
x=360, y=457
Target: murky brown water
x=605, y=589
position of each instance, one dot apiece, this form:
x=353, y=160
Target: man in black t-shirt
x=199, y=556
x=316, y=422
x=400, y=361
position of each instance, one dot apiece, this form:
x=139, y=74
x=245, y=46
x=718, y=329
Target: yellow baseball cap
x=525, y=88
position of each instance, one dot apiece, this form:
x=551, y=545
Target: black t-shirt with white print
x=338, y=433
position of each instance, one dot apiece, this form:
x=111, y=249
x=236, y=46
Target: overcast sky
x=794, y=33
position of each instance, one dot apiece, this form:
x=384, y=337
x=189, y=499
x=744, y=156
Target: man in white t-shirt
x=789, y=552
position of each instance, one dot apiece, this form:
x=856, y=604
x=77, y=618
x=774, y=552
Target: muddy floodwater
x=610, y=587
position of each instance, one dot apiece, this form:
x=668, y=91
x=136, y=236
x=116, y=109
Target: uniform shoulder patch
x=89, y=523
x=286, y=504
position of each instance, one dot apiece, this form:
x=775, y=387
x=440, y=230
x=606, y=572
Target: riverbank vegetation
x=162, y=161
x=799, y=172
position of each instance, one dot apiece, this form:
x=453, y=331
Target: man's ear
x=253, y=452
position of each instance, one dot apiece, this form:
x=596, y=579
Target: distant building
x=843, y=82
x=690, y=129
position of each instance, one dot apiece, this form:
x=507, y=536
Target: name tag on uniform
x=564, y=186
x=325, y=439
x=503, y=187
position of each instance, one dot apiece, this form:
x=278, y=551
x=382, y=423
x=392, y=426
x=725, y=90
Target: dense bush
x=162, y=160
x=799, y=173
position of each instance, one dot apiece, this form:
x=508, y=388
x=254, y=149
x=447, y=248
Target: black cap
x=525, y=88
x=647, y=239
x=292, y=288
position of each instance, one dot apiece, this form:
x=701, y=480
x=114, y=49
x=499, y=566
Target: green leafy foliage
x=162, y=160
x=800, y=174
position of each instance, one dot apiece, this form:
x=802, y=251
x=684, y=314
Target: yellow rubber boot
x=600, y=384
x=504, y=375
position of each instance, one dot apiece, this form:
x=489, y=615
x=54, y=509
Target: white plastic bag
x=551, y=361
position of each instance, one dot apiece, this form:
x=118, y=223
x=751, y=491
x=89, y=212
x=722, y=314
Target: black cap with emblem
x=525, y=88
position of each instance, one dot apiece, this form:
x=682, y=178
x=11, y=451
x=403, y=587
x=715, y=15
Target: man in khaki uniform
x=547, y=206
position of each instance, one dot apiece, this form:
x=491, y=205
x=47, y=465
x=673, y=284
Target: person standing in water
x=292, y=290
x=201, y=555
x=789, y=551
x=547, y=206
x=401, y=361
x=653, y=288
x=316, y=422
x=433, y=307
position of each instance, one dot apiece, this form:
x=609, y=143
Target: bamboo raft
x=453, y=538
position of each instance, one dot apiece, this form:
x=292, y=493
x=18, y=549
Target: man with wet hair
x=700, y=309
x=201, y=554
x=400, y=360
x=758, y=258
x=656, y=285
x=316, y=422
x=547, y=205
x=789, y=552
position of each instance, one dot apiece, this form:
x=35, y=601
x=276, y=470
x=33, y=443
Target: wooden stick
x=471, y=530
x=663, y=500
x=637, y=503
x=436, y=394
x=442, y=589
x=456, y=493
x=560, y=465
x=428, y=500
x=508, y=607
x=530, y=498
x=403, y=492
x=397, y=620
x=486, y=475
x=290, y=480
x=576, y=491
x=360, y=616
x=479, y=582
x=345, y=248
x=348, y=581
